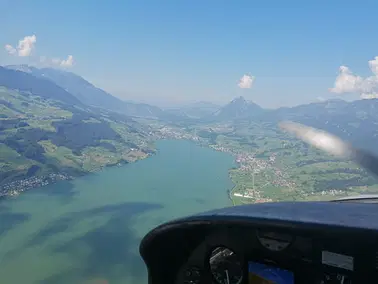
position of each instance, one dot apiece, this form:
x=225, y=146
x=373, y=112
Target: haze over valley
x=55, y=125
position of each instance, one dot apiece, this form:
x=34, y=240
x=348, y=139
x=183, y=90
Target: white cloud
x=246, y=81
x=26, y=45
x=348, y=82
x=24, y=48
x=10, y=49
x=68, y=62
x=57, y=61
x=373, y=64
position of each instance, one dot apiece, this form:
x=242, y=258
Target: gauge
x=192, y=275
x=274, y=241
x=225, y=266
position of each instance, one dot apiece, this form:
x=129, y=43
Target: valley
x=119, y=117
x=274, y=167
x=45, y=139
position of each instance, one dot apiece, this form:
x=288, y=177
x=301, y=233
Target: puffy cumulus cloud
x=10, y=49
x=373, y=64
x=348, y=82
x=24, y=48
x=68, y=62
x=57, y=61
x=246, y=81
x=27, y=45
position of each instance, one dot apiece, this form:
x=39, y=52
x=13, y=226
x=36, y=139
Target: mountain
x=74, y=84
x=195, y=110
x=44, y=140
x=356, y=122
x=88, y=93
x=328, y=111
x=239, y=108
x=26, y=82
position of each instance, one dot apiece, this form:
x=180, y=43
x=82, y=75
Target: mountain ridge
x=50, y=140
x=88, y=93
x=26, y=82
x=238, y=108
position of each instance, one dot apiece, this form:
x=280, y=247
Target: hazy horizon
x=279, y=55
x=175, y=102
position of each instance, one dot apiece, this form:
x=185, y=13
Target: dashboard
x=300, y=242
x=255, y=256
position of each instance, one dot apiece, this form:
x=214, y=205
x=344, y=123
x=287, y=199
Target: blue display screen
x=259, y=273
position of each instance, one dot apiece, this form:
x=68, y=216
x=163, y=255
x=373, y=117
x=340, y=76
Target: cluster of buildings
x=331, y=192
x=225, y=149
x=171, y=133
x=281, y=180
x=16, y=187
x=248, y=162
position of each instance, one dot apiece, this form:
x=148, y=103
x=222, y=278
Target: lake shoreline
x=46, y=180
x=35, y=182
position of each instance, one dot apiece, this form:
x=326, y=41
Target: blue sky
x=178, y=51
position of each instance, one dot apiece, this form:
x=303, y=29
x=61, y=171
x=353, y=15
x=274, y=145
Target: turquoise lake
x=88, y=230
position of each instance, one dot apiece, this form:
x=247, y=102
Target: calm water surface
x=88, y=230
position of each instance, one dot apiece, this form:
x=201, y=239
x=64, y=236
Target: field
x=273, y=166
x=39, y=137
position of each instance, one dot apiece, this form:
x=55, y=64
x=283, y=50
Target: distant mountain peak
x=238, y=108
x=239, y=99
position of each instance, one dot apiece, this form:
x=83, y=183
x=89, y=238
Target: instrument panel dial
x=226, y=267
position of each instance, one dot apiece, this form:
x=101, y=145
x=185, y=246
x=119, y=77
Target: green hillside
x=42, y=140
x=274, y=166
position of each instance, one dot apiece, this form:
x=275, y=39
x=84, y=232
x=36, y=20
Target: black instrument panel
x=242, y=254
x=317, y=242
